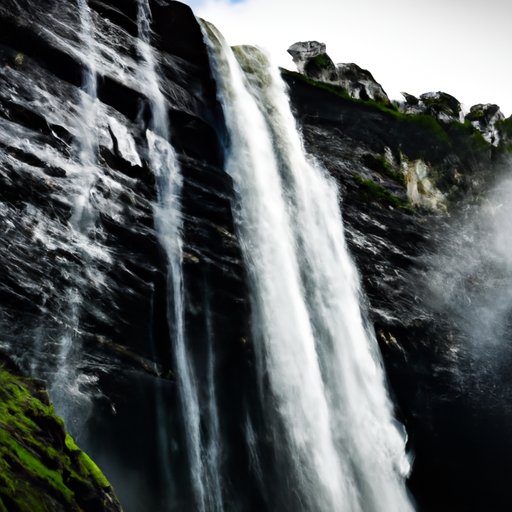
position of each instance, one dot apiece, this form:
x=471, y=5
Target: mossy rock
x=322, y=61
x=373, y=192
x=321, y=67
x=505, y=129
x=382, y=166
x=41, y=467
x=441, y=102
x=506, y=126
x=457, y=150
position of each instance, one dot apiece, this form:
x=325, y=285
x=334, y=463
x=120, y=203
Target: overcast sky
x=461, y=47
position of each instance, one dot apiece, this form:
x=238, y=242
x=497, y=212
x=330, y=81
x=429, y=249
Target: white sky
x=461, y=47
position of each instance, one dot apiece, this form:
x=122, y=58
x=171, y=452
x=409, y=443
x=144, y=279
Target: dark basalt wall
x=122, y=347
x=122, y=344
x=447, y=397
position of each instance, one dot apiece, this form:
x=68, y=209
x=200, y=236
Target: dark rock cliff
x=124, y=355
x=401, y=177
x=455, y=421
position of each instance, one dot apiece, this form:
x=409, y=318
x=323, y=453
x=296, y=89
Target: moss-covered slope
x=41, y=468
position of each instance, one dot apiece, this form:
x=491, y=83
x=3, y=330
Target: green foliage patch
x=373, y=192
x=333, y=89
x=381, y=165
x=41, y=468
x=321, y=61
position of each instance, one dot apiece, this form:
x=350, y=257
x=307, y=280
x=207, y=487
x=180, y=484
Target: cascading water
x=213, y=484
x=165, y=165
x=87, y=142
x=328, y=404
x=70, y=401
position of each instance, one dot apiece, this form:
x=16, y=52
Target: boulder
x=312, y=60
x=360, y=83
x=411, y=105
x=440, y=105
x=485, y=118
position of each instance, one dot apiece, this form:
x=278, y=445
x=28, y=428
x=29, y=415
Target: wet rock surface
x=360, y=83
x=443, y=391
x=114, y=278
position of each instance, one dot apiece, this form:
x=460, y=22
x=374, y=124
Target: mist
x=469, y=283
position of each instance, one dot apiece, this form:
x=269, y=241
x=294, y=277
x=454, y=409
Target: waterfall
x=87, y=142
x=326, y=400
x=214, y=447
x=65, y=388
x=168, y=218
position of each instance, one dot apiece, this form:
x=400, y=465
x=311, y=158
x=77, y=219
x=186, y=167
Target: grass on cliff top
x=506, y=128
x=41, y=468
x=342, y=92
x=440, y=135
x=334, y=89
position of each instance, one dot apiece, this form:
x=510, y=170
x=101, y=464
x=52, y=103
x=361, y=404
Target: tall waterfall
x=70, y=401
x=87, y=142
x=321, y=378
x=165, y=165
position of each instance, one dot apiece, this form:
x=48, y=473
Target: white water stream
x=65, y=387
x=168, y=217
x=341, y=443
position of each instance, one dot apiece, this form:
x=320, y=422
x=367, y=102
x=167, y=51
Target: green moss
x=429, y=124
x=372, y=191
x=445, y=146
x=14, y=449
x=469, y=142
x=321, y=61
x=505, y=126
x=88, y=468
x=422, y=122
x=381, y=165
x=41, y=468
x=333, y=89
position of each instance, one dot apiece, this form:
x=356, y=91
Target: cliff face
x=99, y=296
x=443, y=383
x=106, y=292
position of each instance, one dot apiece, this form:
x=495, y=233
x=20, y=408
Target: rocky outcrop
x=420, y=189
x=312, y=60
x=360, y=83
x=440, y=105
x=486, y=118
x=42, y=468
x=383, y=162
x=399, y=172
